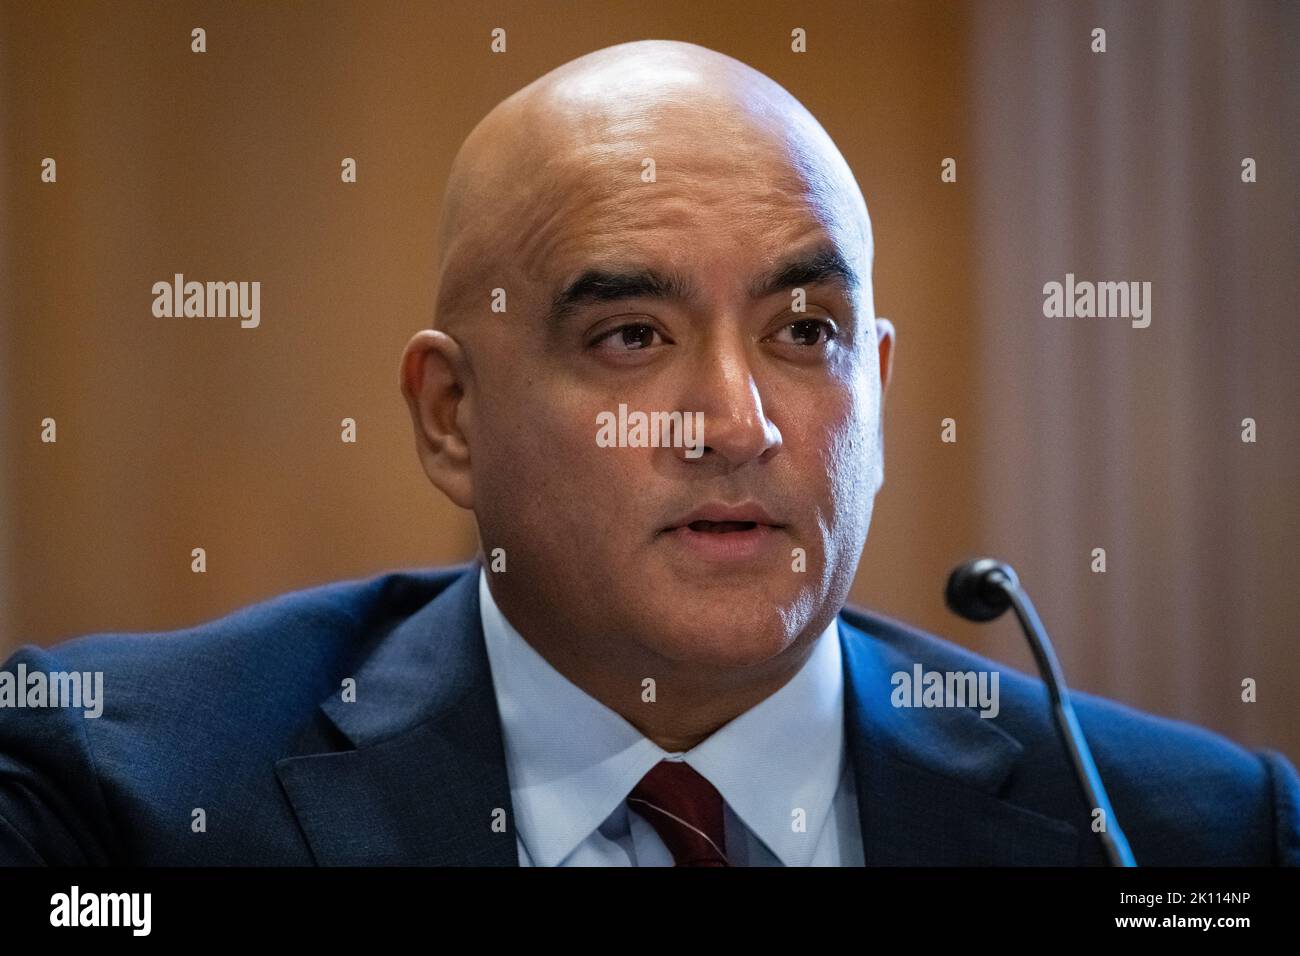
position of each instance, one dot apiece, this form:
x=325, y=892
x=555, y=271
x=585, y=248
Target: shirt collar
x=572, y=760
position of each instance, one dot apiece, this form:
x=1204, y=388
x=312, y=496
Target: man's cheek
x=590, y=475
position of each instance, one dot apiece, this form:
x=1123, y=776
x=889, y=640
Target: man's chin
x=723, y=635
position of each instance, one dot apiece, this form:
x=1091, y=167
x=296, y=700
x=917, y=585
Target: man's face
x=687, y=306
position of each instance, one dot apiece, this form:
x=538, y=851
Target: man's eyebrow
x=609, y=285
x=822, y=265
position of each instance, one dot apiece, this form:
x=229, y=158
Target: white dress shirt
x=572, y=762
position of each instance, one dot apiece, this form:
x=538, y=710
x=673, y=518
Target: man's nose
x=724, y=389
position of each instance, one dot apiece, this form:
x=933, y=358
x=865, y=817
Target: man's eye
x=808, y=332
x=627, y=338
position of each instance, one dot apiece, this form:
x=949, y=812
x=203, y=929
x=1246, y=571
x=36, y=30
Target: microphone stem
x=1067, y=724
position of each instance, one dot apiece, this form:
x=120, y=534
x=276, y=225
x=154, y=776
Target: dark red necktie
x=686, y=812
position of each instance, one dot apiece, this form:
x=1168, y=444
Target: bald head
x=579, y=137
x=675, y=235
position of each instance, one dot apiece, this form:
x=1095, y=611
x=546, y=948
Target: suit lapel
x=427, y=776
x=928, y=778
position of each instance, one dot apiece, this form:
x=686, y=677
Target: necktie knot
x=685, y=810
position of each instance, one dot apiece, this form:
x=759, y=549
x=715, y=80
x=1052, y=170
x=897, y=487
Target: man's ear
x=432, y=378
x=885, y=335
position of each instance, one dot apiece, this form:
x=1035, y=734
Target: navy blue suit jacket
x=244, y=718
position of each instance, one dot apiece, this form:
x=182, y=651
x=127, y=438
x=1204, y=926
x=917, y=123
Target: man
x=650, y=663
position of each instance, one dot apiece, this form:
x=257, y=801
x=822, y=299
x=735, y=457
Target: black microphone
x=980, y=590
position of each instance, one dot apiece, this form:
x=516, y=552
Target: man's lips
x=721, y=518
x=725, y=535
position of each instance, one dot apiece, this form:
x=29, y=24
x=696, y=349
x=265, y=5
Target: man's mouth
x=725, y=534
x=722, y=527
x=719, y=518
